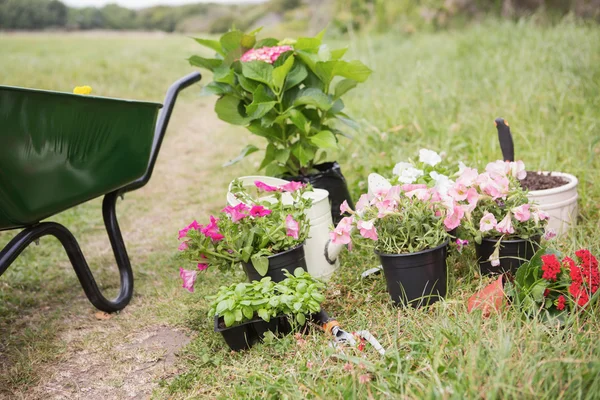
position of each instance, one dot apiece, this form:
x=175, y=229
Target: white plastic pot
x=320, y=221
x=560, y=203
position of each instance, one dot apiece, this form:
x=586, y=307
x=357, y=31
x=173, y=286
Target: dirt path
x=126, y=355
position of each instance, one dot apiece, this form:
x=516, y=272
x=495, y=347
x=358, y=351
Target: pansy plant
x=289, y=92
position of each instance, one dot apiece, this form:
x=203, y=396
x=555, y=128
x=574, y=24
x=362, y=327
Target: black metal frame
x=32, y=233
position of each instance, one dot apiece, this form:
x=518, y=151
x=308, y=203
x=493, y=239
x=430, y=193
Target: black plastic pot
x=513, y=253
x=244, y=335
x=416, y=279
x=330, y=178
x=288, y=260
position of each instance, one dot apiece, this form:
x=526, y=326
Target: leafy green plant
x=297, y=295
x=289, y=92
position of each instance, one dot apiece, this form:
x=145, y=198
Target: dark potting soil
x=540, y=181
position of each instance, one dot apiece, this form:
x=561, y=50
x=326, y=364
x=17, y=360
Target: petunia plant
x=250, y=231
x=286, y=91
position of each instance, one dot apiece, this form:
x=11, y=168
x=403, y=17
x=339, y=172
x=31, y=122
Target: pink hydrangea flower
x=522, y=213
x=212, y=230
x=265, y=54
x=182, y=246
x=341, y=233
x=259, y=211
x=184, y=231
x=453, y=217
x=291, y=226
x=264, y=187
x=367, y=229
x=362, y=202
x=189, y=278
x=487, y=222
x=345, y=208
x=237, y=212
x=505, y=226
x=292, y=186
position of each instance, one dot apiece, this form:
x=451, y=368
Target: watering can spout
x=332, y=251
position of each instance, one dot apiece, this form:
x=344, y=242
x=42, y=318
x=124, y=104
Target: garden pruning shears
x=341, y=337
x=505, y=139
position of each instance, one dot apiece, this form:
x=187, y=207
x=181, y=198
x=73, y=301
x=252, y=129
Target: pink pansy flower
x=292, y=186
x=517, y=169
x=453, y=218
x=237, y=212
x=362, y=202
x=264, y=187
x=259, y=211
x=367, y=229
x=189, y=278
x=505, y=226
x=184, y=231
x=468, y=177
x=291, y=226
x=522, y=213
x=498, y=169
x=345, y=208
x=265, y=54
x=341, y=233
x=487, y=222
x=183, y=246
x=212, y=230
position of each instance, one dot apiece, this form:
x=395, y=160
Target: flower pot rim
x=573, y=182
x=446, y=242
x=219, y=317
x=535, y=238
x=285, y=251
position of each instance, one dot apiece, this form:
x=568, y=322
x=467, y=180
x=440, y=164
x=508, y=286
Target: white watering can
x=321, y=256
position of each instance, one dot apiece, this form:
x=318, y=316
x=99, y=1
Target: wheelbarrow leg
x=80, y=265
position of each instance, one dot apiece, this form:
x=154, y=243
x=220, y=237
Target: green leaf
x=301, y=318
x=240, y=289
x=248, y=312
x=238, y=315
x=343, y=87
x=229, y=318
x=267, y=42
x=355, y=70
x=296, y=76
x=324, y=140
x=245, y=152
x=338, y=53
x=299, y=120
x=259, y=71
x=264, y=314
x=211, y=44
x=303, y=154
x=308, y=43
x=282, y=156
x=261, y=104
x=314, y=97
x=269, y=156
x=280, y=73
x=221, y=307
x=224, y=74
x=217, y=88
x=307, y=58
x=260, y=264
x=248, y=41
x=228, y=109
x=271, y=133
x=274, y=170
x=208, y=63
x=247, y=84
x=231, y=41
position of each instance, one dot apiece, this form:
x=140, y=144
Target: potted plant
x=499, y=216
x=553, y=192
x=290, y=93
x=408, y=228
x=244, y=312
x=549, y=286
x=266, y=235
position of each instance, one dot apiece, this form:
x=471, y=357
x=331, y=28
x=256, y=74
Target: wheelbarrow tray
x=58, y=150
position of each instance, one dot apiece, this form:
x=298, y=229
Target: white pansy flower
x=409, y=175
x=429, y=157
x=401, y=166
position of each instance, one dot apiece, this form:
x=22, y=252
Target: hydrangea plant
x=288, y=92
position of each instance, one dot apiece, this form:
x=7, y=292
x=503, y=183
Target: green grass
x=441, y=91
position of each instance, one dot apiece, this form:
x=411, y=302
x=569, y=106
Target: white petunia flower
x=442, y=182
x=409, y=175
x=401, y=166
x=429, y=157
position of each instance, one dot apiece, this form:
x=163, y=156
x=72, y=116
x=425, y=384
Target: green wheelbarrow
x=58, y=150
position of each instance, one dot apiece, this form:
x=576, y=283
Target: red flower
x=561, y=302
x=550, y=266
x=546, y=292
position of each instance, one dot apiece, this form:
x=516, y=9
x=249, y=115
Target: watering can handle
x=161, y=126
x=505, y=139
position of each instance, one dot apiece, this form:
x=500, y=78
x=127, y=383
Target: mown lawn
x=440, y=91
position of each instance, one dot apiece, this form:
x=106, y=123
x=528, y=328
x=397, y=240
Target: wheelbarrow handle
x=161, y=126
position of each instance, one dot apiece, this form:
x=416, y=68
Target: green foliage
x=288, y=101
x=298, y=295
x=32, y=14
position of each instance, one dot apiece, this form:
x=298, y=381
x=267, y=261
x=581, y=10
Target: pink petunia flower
x=495, y=257
x=345, y=208
x=496, y=187
x=291, y=226
x=202, y=266
x=498, y=169
x=189, y=278
x=265, y=54
x=259, y=211
x=542, y=215
x=487, y=222
x=458, y=191
x=341, y=233
x=505, y=226
x=264, y=187
x=549, y=234
x=237, y=212
x=367, y=229
x=212, y=230
x=517, y=169
x=467, y=177
x=184, y=231
x=292, y=186
x=460, y=244
x=182, y=246
x=362, y=202
x=522, y=213
x=453, y=217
